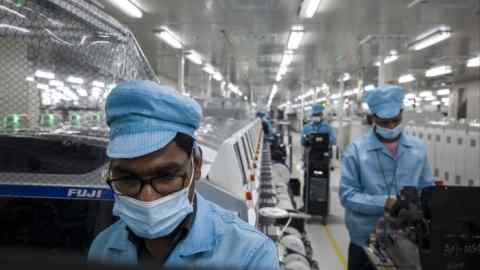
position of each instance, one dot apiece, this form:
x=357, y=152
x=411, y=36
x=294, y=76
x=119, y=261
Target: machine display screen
x=249, y=143
x=247, y=153
x=52, y=225
x=236, y=147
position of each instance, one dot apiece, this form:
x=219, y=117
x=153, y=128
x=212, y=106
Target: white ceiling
x=251, y=35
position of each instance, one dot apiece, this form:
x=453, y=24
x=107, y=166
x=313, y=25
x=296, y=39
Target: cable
x=286, y=226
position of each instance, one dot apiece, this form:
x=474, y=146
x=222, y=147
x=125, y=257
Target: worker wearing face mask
x=376, y=167
x=154, y=166
x=318, y=125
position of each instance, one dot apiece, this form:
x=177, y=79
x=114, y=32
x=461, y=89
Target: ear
x=198, y=161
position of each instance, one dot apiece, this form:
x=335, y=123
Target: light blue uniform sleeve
x=264, y=257
x=351, y=195
x=426, y=179
x=333, y=136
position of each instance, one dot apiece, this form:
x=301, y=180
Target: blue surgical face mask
x=157, y=218
x=388, y=133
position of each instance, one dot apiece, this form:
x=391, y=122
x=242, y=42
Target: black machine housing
x=438, y=230
x=317, y=175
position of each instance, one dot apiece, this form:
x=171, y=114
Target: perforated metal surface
x=60, y=39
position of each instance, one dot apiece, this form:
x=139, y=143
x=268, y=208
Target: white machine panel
x=429, y=141
x=437, y=135
x=232, y=166
x=472, y=153
x=450, y=157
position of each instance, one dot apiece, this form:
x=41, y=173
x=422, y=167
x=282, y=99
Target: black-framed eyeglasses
x=387, y=122
x=131, y=185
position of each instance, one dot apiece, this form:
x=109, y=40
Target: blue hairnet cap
x=144, y=116
x=317, y=108
x=261, y=114
x=386, y=101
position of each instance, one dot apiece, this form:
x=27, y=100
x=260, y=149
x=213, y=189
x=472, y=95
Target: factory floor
x=329, y=242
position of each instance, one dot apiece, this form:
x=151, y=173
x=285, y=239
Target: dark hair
x=185, y=142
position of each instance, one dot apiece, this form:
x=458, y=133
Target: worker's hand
x=389, y=203
x=394, y=206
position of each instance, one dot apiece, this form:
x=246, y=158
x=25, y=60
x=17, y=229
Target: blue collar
x=203, y=233
x=201, y=237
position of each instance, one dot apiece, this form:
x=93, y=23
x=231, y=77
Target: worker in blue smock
x=318, y=125
x=154, y=165
x=267, y=126
x=376, y=167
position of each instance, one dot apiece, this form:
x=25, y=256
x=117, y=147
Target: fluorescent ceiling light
x=436, y=102
x=209, y=69
x=369, y=87
x=2, y=7
x=282, y=70
x=430, y=98
x=44, y=74
x=286, y=59
x=245, y=98
x=233, y=88
x=348, y=93
x=82, y=92
x=438, y=71
x=273, y=93
x=56, y=83
x=431, y=37
x=194, y=57
x=30, y=79
x=217, y=76
x=445, y=100
x=474, y=62
x=128, y=8
x=170, y=38
x=410, y=96
x=308, y=8
x=377, y=64
x=443, y=92
x=13, y=27
x=416, y=2
x=325, y=87
x=42, y=86
x=426, y=94
x=106, y=93
x=346, y=77
x=96, y=92
x=76, y=80
x=391, y=58
x=406, y=78
x=68, y=93
x=98, y=84
x=295, y=38
x=279, y=77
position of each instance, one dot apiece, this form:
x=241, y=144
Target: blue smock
x=370, y=173
x=319, y=127
x=217, y=239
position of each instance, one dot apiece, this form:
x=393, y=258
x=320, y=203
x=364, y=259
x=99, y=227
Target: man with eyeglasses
x=154, y=165
x=376, y=167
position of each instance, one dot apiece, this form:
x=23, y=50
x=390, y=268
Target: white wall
x=472, y=92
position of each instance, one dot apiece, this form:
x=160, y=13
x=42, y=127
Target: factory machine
x=53, y=197
x=317, y=175
x=437, y=228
